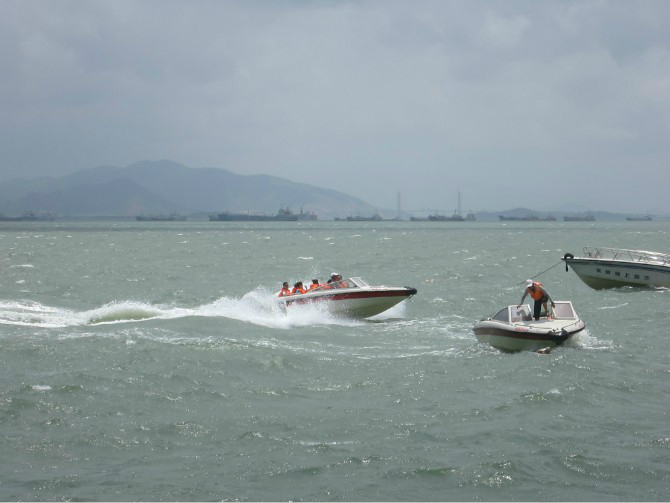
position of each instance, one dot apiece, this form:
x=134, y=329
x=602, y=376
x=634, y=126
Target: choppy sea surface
x=149, y=361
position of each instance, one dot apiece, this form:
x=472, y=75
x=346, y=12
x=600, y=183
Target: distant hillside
x=153, y=187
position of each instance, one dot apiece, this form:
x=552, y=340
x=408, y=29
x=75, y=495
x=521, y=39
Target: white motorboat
x=616, y=267
x=352, y=298
x=514, y=329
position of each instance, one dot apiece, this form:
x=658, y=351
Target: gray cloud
x=565, y=101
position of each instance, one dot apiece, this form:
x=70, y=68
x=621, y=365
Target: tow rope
x=540, y=273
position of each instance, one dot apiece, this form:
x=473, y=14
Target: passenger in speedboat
x=540, y=295
x=315, y=284
x=298, y=288
x=336, y=281
x=284, y=290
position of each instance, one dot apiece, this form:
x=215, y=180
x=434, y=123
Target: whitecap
x=259, y=307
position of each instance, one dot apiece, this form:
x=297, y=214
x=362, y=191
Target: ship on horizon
x=283, y=215
x=530, y=218
x=456, y=217
x=28, y=216
x=358, y=218
x=172, y=217
x=579, y=218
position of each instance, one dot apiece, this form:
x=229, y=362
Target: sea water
x=150, y=361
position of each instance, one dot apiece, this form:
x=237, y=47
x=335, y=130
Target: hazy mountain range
x=160, y=187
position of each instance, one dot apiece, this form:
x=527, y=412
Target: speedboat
x=352, y=298
x=514, y=329
x=616, y=267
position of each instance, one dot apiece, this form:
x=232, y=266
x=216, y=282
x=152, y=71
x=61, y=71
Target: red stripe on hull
x=348, y=296
x=361, y=303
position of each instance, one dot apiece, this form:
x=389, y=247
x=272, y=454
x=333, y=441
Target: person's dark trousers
x=537, y=308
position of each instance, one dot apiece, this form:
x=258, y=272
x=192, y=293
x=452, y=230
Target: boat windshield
x=518, y=314
x=564, y=310
x=502, y=315
x=514, y=314
x=347, y=283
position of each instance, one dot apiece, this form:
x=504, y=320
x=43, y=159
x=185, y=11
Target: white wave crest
x=259, y=307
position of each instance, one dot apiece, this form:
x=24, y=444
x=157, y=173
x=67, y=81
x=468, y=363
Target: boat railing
x=642, y=256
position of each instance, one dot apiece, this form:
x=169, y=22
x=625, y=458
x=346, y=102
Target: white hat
x=333, y=274
x=529, y=283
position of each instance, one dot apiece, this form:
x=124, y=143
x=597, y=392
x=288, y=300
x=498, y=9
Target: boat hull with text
x=602, y=268
x=356, y=300
x=514, y=329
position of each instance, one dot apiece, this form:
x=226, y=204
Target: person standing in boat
x=284, y=290
x=539, y=294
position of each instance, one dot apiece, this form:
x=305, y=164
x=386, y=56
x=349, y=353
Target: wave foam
x=259, y=307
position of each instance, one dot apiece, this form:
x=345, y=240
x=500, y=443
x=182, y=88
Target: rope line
x=540, y=273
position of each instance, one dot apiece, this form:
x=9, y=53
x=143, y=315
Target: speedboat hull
x=603, y=268
x=359, y=300
x=524, y=338
x=513, y=328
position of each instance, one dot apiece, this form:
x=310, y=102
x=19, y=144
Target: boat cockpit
x=562, y=310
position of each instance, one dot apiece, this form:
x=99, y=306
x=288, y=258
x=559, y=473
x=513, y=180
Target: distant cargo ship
x=29, y=216
x=456, y=217
x=283, y=215
x=172, y=217
x=374, y=218
x=443, y=218
x=531, y=218
x=586, y=218
x=311, y=216
x=646, y=218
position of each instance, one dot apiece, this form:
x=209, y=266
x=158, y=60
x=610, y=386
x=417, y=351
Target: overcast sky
x=544, y=104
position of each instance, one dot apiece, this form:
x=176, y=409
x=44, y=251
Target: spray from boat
x=259, y=307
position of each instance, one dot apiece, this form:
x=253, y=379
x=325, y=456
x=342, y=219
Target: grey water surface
x=149, y=361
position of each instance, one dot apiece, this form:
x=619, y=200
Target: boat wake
x=259, y=307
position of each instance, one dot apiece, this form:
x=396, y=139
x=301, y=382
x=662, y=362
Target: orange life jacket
x=284, y=291
x=298, y=290
x=536, y=292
